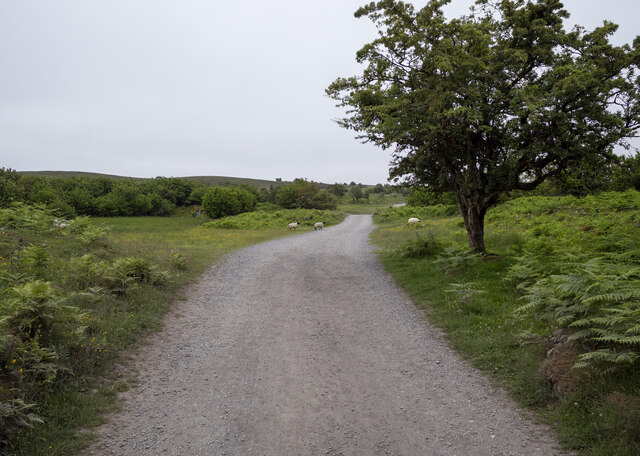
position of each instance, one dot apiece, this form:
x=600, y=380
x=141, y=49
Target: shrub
x=20, y=215
x=124, y=272
x=86, y=271
x=454, y=259
x=178, y=261
x=15, y=414
x=421, y=247
x=221, y=201
x=304, y=194
x=598, y=303
x=421, y=196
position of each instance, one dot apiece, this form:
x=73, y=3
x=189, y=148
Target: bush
x=421, y=247
x=20, y=215
x=304, y=194
x=221, y=201
x=421, y=196
x=597, y=302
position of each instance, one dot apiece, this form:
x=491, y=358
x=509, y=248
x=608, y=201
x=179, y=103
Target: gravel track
x=305, y=346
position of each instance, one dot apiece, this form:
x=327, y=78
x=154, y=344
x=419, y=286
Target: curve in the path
x=304, y=346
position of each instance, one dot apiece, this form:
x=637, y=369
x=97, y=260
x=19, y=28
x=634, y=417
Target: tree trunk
x=473, y=216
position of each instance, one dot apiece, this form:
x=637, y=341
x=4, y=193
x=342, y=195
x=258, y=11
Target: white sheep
x=414, y=220
x=294, y=225
x=60, y=223
x=318, y=225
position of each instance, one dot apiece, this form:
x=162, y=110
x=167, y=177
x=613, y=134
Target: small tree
x=338, y=189
x=220, y=201
x=356, y=193
x=304, y=194
x=495, y=101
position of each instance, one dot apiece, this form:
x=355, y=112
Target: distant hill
x=208, y=180
x=75, y=174
x=225, y=180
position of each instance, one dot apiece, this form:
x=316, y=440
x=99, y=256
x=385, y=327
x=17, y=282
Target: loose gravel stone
x=305, y=346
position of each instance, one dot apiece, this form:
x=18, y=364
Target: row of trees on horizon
x=163, y=196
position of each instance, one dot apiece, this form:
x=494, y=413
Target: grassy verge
x=161, y=238
x=94, y=296
x=539, y=245
x=375, y=203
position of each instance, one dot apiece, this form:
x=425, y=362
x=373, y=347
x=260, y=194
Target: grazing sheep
x=60, y=223
x=414, y=220
x=318, y=225
x=294, y=225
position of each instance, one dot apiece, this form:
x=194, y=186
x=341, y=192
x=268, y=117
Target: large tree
x=491, y=102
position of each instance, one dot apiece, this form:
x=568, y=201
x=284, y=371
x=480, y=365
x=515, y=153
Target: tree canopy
x=304, y=194
x=498, y=100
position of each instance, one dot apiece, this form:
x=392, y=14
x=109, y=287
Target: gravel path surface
x=304, y=346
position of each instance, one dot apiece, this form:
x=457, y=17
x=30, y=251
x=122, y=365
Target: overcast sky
x=196, y=87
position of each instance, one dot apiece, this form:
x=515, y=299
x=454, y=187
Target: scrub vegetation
x=552, y=312
x=77, y=295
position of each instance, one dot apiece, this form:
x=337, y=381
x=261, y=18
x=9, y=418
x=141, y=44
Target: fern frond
x=583, y=334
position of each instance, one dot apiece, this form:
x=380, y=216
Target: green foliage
x=421, y=196
x=572, y=267
x=455, y=258
x=35, y=256
x=304, y=194
x=20, y=215
x=339, y=190
x=51, y=337
x=86, y=271
x=356, y=193
x=15, y=415
x=276, y=219
x=497, y=100
x=599, y=302
x=34, y=310
x=404, y=213
x=464, y=291
x=178, y=261
x=421, y=247
x=223, y=201
x=10, y=189
x=125, y=273
x=103, y=196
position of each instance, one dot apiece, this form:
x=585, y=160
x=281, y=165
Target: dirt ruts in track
x=304, y=346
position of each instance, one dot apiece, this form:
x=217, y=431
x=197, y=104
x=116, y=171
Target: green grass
x=115, y=323
x=277, y=219
x=601, y=414
x=370, y=206
x=160, y=237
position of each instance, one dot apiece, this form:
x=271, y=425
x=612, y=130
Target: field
x=560, y=288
